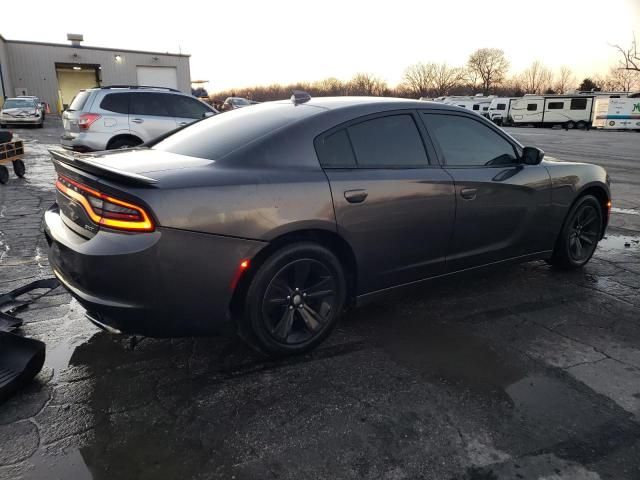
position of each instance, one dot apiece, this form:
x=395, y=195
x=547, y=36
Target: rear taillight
x=86, y=120
x=106, y=210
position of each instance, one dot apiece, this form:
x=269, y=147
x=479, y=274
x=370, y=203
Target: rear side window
x=185, y=107
x=335, y=150
x=467, y=142
x=501, y=106
x=555, y=105
x=532, y=107
x=156, y=104
x=116, y=102
x=392, y=141
x=578, y=104
x=78, y=101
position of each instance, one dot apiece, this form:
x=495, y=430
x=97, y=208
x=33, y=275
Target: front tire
x=294, y=300
x=580, y=234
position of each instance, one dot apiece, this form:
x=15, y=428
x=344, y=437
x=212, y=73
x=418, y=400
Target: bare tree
x=490, y=65
x=630, y=56
x=537, y=78
x=418, y=79
x=565, y=80
x=367, y=84
x=622, y=79
x=446, y=78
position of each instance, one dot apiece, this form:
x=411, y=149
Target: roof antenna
x=299, y=96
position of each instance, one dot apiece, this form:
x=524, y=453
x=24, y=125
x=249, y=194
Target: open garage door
x=72, y=79
x=158, y=77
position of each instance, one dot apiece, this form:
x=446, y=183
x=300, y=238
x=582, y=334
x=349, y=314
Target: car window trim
x=426, y=142
x=440, y=154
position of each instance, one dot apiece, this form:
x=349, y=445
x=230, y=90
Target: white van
x=617, y=113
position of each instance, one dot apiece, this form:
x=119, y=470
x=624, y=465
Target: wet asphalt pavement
x=518, y=373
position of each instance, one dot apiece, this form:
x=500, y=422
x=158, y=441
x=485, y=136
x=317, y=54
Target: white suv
x=113, y=117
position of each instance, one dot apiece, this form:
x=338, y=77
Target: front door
x=392, y=205
x=502, y=205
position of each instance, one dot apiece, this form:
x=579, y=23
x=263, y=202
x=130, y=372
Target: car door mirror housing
x=532, y=155
x=207, y=114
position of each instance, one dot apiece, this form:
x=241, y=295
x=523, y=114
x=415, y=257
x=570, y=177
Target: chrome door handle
x=356, y=196
x=468, y=193
x=137, y=120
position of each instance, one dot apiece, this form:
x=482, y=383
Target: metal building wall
x=32, y=66
x=4, y=67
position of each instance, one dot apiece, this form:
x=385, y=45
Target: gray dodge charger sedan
x=272, y=219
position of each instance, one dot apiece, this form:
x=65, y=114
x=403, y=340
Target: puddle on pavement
x=620, y=242
x=68, y=466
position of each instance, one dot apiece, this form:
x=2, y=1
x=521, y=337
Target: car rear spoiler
x=86, y=164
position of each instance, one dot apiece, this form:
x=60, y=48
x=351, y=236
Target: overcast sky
x=247, y=42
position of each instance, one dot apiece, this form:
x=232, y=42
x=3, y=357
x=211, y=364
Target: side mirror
x=207, y=114
x=532, y=155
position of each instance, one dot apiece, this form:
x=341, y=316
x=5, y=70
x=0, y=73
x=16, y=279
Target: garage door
x=70, y=82
x=158, y=76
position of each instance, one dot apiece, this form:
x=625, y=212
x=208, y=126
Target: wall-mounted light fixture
x=155, y=59
x=77, y=68
x=118, y=58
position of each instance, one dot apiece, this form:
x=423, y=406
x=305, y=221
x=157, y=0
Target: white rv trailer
x=569, y=111
x=499, y=109
x=477, y=103
x=617, y=113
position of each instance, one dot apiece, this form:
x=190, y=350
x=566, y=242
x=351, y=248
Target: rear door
x=187, y=110
x=394, y=206
x=502, y=205
x=149, y=115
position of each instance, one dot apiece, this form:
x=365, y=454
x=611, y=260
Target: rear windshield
x=79, y=100
x=217, y=136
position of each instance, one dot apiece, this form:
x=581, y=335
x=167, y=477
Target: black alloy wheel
x=584, y=232
x=299, y=301
x=580, y=234
x=294, y=300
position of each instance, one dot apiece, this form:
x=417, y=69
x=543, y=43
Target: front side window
x=155, y=104
x=532, y=107
x=578, y=104
x=501, y=106
x=467, y=142
x=185, y=107
x=555, y=105
x=392, y=141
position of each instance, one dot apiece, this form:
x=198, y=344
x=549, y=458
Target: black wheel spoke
x=584, y=238
x=283, y=327
x=321, y=289
x=311, y=318
x=590, y=218
x=578, y=247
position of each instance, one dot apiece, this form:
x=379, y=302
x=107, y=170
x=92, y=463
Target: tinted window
x=476, y=107
x=555, y=105
x=79, y=100
x=388, y=141
x=578, y=104
x=116, y=102
x=335, y=150
x=156, y=104
x=532, y=107
x=217, y=136
x=464, y=141
x=186, y=107
x=501, y=106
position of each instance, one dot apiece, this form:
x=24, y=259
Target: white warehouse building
x=56, y=72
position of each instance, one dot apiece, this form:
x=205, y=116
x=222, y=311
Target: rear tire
x=122, y=143
x=580, y=234
x=569, y=125
x=294, y=300
x=19, y=168
x=4, y=174
x=581, y=125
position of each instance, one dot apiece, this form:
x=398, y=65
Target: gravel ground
x=522, y=372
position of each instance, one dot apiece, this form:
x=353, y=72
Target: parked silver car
x=21, y=111
x=115, y=117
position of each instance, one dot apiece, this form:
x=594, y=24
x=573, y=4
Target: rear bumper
x=160, y=284
x=85, y=141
